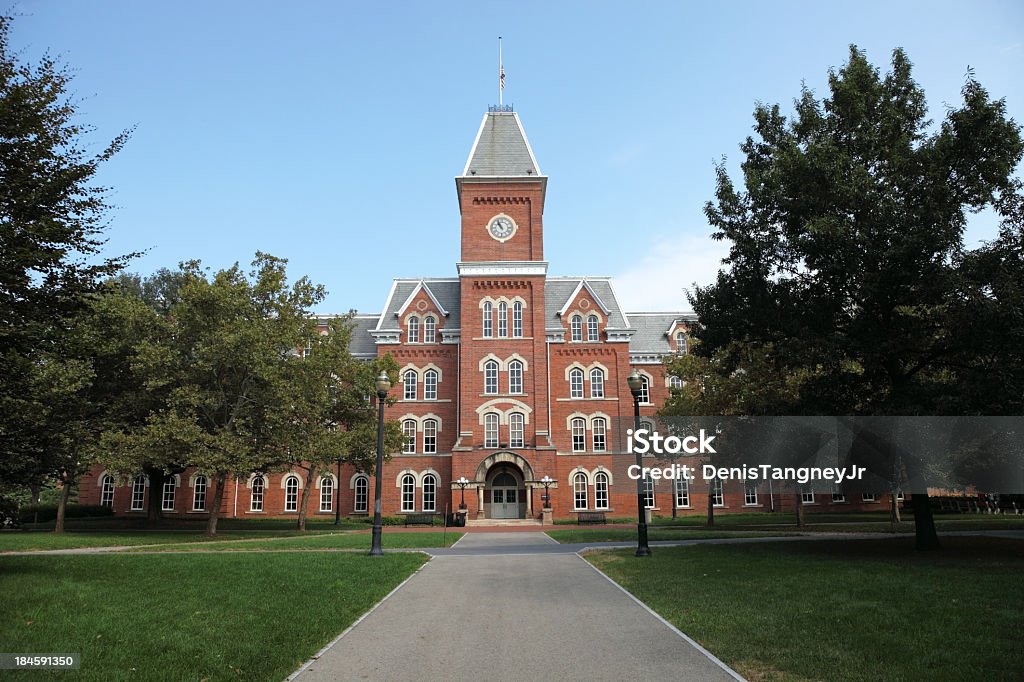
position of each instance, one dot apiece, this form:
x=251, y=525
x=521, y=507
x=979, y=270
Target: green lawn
x=205, y=616
x=577, y=535
x=841, y=610
x=20, y=541
x=198, y=524
x=390, y=540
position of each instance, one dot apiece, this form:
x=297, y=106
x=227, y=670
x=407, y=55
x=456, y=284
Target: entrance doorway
x=505, y=497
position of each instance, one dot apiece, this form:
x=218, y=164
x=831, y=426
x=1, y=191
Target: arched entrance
x=503, y=481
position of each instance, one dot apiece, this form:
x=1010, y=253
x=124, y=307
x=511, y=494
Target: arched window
x=579, y=435
x=199, y=494
x=429, y=329
x=167, y=498
x=139, y=493
x=579, y=491
x=256, y=498
x=600, y=428
x=576, y=383
x=408, y=493
x=517, y=319
x=601, y=490
x=430, y=436
x=597, y=383
x=409, y=380
x=502, y=319
x=291, y=494
x=409, y=431
x=515, y=377
x=414, y=330
x=675, y=382
x=682, y=492
x=516, y=424
x=107, y=491
x=326, y=494
x=488, y=319
x=681, y=345
x=592, y=334
x=429, y=493
x=645, y=390
x=361, y=503
x=491, y=377
x=576, y=328
x=430, y=385
x=490, y=430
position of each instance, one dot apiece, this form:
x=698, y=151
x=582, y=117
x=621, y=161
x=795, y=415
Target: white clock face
x=501, y=227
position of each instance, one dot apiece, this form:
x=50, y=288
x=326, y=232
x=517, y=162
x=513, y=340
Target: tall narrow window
x=429, y=493
x=682, y=486
x=601, y=490
x=515, y=377
x=681, y=346
x=579, y=491
x=167, y=499
x=717, y=493
x=576, y=328
x=361, y=503
x=579, y=435
x=414, y=330
x=408, y=493
x=409, y=431
x=645, y=390
x=139, y=493
x=600, y=429
x=597, y=383
x=576, y=383
x=491, y=377
x=409, y=380
x=490, y=430
x=326, y=494
x=429, y=329
x=199, y=494
x=430, y=436
x=648, y=492
x=502, y=319
x=517, y=319
x=516, y=423
x=592, y=329
x=488, y=319
x=256, y=497
x=107, y=491
x=430, y=385
x=291, y=494
x=837, y=494
x=750, y=494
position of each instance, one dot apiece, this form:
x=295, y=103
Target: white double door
x=504, y=502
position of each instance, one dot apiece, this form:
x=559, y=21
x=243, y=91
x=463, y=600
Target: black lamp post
x=383, y=386
x=337, y=497
x=636, y=386
x=547, y=481
x=462, y=483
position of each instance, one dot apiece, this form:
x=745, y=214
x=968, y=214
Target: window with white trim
x=430, y=436
x=837, y=494
x=675, y=382
x=291, y=494
x=681, y=345
x=139, y=493
x=516, y=429
x=717, y=493
x=648, y=492
x=579, y=435
x=199, y=494
x=576, y=328
x=107, y=491
x=515, y=377
x=361, y=503
x=414, y=330
x=517, y=319
x=682, y=486
x=645, y=390
x=167, y=498
x=502, y=320
x=326, y=494
x=807, y=495
x=600, y=432
x=491, y=377
x=409, y=431
x=430, y=384
x=409, y=380
x=429, y=329
x=256, y=496
x=488, y=320
x=597, y=383
x=490, y=430
x=579, y=491
x=592, y=329
x=576, y=383
x=408, y=493
x=750, y=494
x=601, y=490
x=429, y=493
x=868, y=497
x=899, y=495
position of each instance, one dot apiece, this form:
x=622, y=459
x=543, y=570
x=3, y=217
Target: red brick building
x=507, y=376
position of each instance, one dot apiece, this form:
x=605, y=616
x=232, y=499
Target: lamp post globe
x=383, y=385
x=636, y=386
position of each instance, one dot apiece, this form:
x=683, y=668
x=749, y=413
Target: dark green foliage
x=43, y=513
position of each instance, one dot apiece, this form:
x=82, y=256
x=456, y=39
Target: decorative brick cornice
x=494, y=200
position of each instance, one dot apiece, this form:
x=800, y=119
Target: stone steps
x=483, y=523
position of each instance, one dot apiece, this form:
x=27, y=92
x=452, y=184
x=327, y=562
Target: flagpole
x=500, y=67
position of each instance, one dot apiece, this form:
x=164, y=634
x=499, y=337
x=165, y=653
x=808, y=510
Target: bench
x=419, y=520
x=591, y=517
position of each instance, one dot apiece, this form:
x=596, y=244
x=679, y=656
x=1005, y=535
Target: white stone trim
x=285, y=475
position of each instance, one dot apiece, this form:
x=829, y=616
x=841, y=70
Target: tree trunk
x=218, y=497
x=62, y=504
x=801, y=513
x=35, y=488
x=310, y=473
x=924, y=523
x=711, y=505
x=894, y=511
x=156, y=494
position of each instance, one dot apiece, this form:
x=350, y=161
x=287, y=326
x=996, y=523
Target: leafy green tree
x=848, y=284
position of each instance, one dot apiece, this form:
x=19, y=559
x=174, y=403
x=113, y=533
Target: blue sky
x=329, y=133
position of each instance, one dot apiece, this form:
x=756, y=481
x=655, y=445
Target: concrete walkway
x=502, y=608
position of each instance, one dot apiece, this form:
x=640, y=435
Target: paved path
x=504, y=608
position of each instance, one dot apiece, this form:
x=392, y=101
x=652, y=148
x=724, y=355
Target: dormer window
x=681, y=346
x=576, y=328
x=414, y=330
x=429, y=329
x=592, y=329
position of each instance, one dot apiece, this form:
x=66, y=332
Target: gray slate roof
x=446, y=291
x=651, y=334
x=559, y=289
x=362, y=342
x=501, y=149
